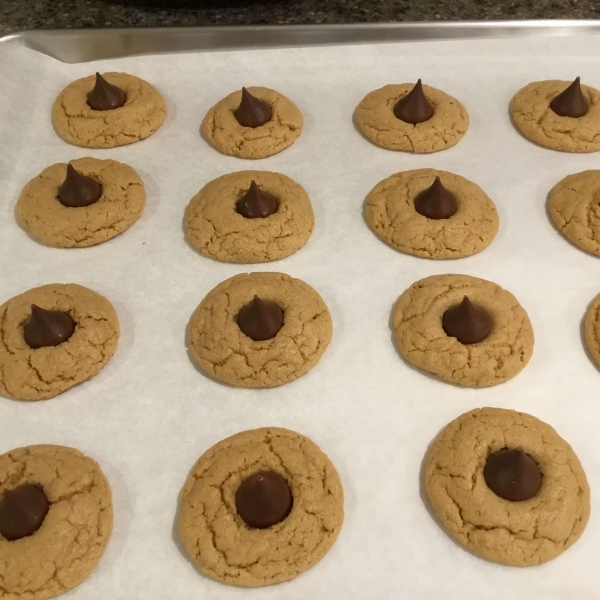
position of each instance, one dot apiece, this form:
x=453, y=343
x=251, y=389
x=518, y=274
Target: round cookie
x=118, y=208
x=38, y=374
x=591, y=329
x=144, y=111
x=390, y=211
x=221, y=129
x=376, y=119
x=217, y=230
x=219, y=541
x=522, y=533
x=417, y=323
x=574, y=210
x=221, y=348
x=531, y=113
x=67, y=547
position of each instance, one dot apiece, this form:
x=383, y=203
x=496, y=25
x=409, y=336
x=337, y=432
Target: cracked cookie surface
x=531, y=113
x=67, y=547
x=376, y=119
x=221, y=348
x=223, y=546
x=144, y=111
x=118, y=208
x=390, y=211
x=591, y=330
x=221, y=129
x=28, y=374
x=521, y=534
x=574, y=209
x=217, y=230
x=417, y=324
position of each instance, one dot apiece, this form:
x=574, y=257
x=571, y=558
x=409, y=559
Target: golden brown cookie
x=376, y=119
x=390, y=211
x=531, y=113
x=221, y=544
x=417, y=323
x=222, y=130
x=217, y=230
x=592, y=330
x=118, y=208
x=37, y=374
x=518, y=533
x=221, y=348
x=144, y=111
x=574, y=209
x=75, y=531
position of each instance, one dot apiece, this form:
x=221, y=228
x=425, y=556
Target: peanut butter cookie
x=592, y=330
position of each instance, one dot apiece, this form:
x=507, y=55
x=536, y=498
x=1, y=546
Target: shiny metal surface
x=81, y=45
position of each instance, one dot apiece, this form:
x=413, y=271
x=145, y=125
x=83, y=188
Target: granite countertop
x=30, y=14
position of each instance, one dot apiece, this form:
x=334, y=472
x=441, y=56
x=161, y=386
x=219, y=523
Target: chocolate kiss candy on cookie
x=256, y=204
x=436, y=202
x=414, y=107
x=512, y=474
x=263, y=500
x=571, y=102
x=48, y=327
x=252, y=111
x=105, y=96
x=78, y=190
x=467, y=322
x=22, y=511
x=260, y=319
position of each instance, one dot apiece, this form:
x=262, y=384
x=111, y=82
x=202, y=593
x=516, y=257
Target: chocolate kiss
x=260, y=319
x=256, y=204
x=263, y=500
x=467, y=322
x=512, y=474
x=252, y=112
x=105, y=96
x=22, y=511
x=78, y=190
x=436, y=202
x=571, y=102
x=48, y=327
x=414, y=107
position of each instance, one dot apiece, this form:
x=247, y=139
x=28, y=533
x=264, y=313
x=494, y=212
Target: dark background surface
x=28, y=14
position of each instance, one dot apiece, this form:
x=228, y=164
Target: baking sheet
x=150, y=413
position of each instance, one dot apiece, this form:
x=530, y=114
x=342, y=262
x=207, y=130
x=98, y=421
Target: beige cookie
x=417, y=323
x=72, y=537
x=28, y=374
x=219, y=541
x=217, y=230
x=390, y=210
x=592, y=330
x=118, y=208
x=144, y=111
x=222, y=130
x=531, y=113
x=521, y=533
x=376, y=119
x=574, y=209
x=221, y=348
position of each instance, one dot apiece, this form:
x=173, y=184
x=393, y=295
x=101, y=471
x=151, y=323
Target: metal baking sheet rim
x=83, y=45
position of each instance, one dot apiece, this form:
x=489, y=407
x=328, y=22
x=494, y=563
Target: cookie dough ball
x=28, y=373
x=224, y=132
x=289, y=321
x=70, y=498
x=119, y=206
x=76, y=122
x=421, y=318
x=376, y=119
x=531, y=113
x=272, y=461
x=465, y=460
x=393, y=215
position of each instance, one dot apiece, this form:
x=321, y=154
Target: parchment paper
x=150, y=413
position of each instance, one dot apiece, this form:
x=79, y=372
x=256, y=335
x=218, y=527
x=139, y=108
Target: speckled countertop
x=29, y=14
